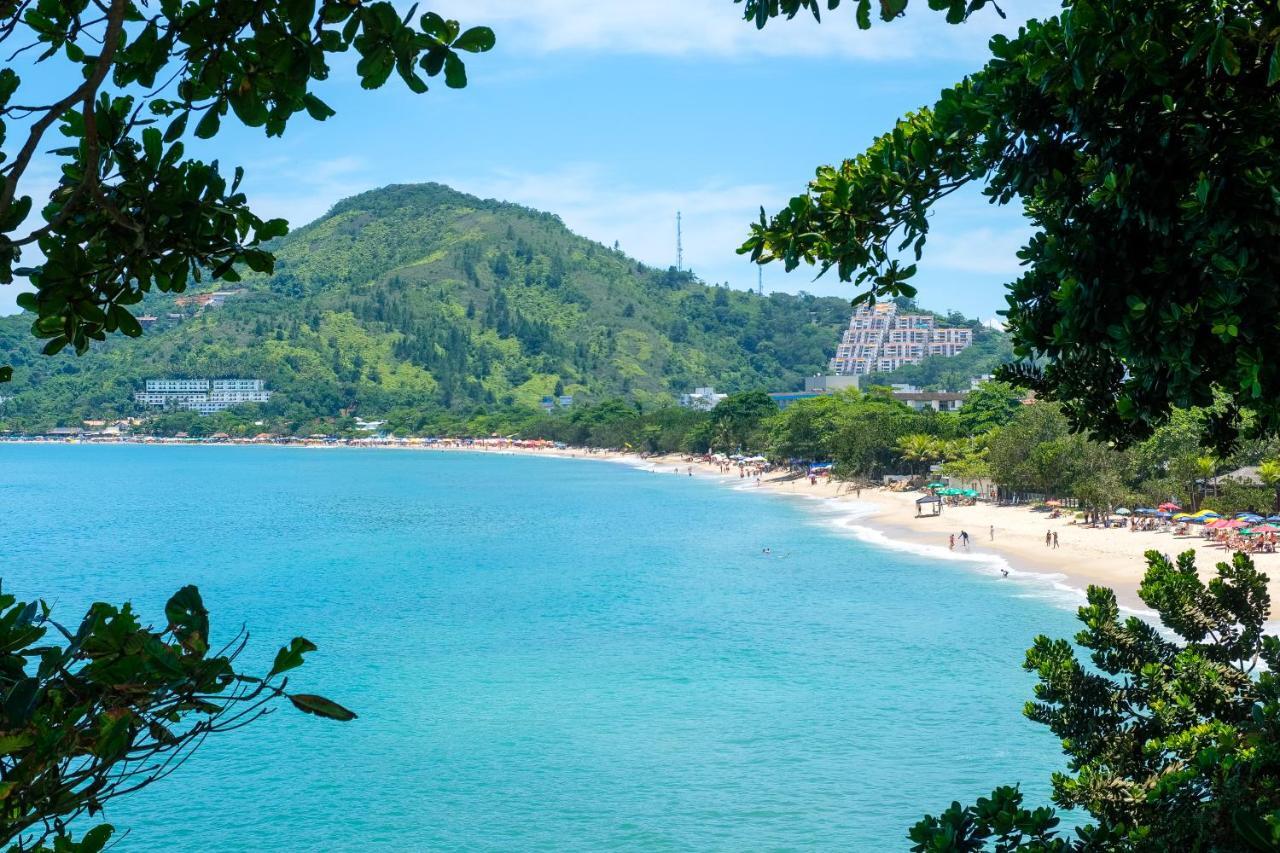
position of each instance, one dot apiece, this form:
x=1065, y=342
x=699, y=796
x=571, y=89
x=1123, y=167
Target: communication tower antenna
x=760, y=280
x=679, y=244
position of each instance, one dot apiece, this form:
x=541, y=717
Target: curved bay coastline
x=1008, y=539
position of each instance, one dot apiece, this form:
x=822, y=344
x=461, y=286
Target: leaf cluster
x=91, y=714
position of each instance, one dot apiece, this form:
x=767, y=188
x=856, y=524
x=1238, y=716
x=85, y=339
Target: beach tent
x=933, y=500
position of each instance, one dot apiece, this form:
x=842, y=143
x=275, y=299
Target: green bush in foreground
x=1172, y=744
x=91, y=714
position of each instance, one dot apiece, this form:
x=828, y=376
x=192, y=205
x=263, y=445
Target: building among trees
x=205, y=396
x=880, y=339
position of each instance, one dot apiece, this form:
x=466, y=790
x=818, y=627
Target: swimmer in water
x=767, y=551
x=1004, y=572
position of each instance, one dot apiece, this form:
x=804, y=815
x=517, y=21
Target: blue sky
x=615, y=116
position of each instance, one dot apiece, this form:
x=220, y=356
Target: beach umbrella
x=1164, y=515
x=1053, y=502
x=1265, y=528
x=969, y=493
x=1182, y=516
x=937, y=485
x=1250, y=517
x=1234, y=524
x=1146, y=510
x=1120, y=510
x=1169, y=506
x=1273, y=518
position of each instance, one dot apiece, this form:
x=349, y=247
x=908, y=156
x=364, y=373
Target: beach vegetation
x=101, y=709
x=1137, y=138
x=1170, y=735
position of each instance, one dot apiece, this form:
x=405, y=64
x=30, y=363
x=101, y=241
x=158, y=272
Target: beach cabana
x=931, y=502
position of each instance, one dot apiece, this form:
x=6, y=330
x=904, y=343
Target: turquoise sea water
x=545, y=654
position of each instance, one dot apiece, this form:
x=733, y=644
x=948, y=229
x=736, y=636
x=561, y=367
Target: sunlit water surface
x=545, y=654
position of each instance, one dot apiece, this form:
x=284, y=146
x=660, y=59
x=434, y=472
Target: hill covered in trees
x=414, y=301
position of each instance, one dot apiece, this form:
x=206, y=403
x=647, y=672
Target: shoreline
x=1085, y=556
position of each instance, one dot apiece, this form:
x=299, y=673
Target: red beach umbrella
x=1169, y=506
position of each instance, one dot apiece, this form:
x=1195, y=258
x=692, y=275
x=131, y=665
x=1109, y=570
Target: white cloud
x=702, y=28
x=977, y=250
x=303, y=190
x=600, y=205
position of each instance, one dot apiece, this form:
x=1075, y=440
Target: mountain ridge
x=416, y=299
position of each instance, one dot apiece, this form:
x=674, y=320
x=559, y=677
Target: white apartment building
x=702, y=399
x=205, y=396
x=880, y=339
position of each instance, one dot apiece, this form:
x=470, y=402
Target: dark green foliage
x=1172, y=742
x=990, y=405
x=395, y=301
x=99, y=711
x=132, y=214
x=1138, y=136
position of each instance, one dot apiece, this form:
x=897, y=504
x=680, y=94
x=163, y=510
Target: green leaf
x=290, y=656
x=476, y=40
x=152, y=146
x=317, y=108
x=188, y=619
x=127, y=323
x=208, y=125
x=455, y=73
x=1273, y=66
x=11, y=743
x=321, y=707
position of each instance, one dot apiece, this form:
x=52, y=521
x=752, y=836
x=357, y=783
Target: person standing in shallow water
x=952, y=542
x=993, y=533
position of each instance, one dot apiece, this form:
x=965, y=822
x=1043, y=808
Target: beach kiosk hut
x=932, y=502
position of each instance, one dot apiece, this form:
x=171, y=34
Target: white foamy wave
x=844, y=519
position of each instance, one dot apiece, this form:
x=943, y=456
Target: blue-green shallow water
x=545, y=654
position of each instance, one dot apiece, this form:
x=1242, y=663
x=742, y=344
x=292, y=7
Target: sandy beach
x=1084, y=556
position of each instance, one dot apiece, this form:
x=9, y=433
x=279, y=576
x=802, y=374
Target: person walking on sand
x=964, y=539
x=993, y=533
x=1055, y=539
x=1048, y=538
x=952, y=543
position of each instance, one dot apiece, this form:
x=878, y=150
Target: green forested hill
x=409, y=301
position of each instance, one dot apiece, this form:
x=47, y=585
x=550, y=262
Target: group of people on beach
x=1051, y=539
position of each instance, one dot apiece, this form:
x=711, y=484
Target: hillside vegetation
x=413, y=301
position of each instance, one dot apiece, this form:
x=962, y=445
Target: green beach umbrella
x=937, y=485
x=969, y=493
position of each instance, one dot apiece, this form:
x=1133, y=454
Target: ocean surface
x=545, y=654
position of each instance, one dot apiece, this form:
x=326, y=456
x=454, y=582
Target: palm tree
x=1269, y=474
x=918, y=449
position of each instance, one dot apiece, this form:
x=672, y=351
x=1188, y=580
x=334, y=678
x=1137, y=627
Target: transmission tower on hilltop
x=760, y=280
x=679, y=244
